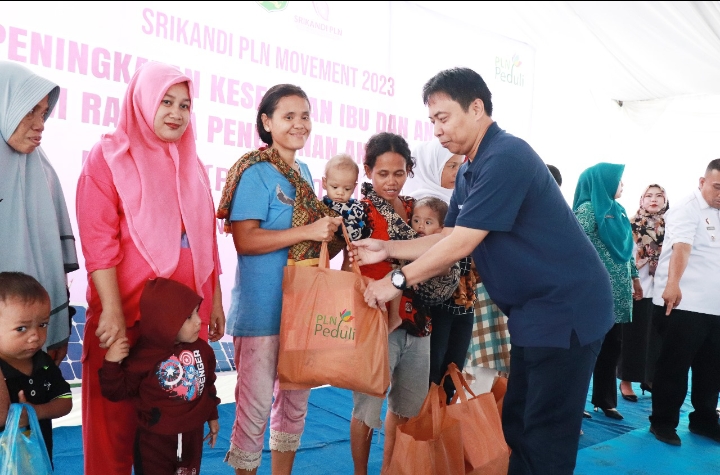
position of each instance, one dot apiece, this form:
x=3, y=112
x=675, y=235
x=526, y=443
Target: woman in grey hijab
x=35, y=233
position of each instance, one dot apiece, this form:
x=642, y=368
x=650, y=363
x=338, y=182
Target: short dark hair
x=23, y=287
x=463, y=85
x=556, y=174
x=713, y=165
x=269, y=103
x=384, y=142
x=435, y=204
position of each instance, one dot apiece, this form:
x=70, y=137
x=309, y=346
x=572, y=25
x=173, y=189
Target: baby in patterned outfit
x=339, y=182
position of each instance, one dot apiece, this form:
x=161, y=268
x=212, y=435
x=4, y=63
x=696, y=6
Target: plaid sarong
x=490, y=342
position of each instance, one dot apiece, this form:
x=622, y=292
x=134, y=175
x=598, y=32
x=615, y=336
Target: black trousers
x=605, y=391
x=449, y=342
x=692, y=340
x=156, y=454
x=641, y=342
x=543, y=406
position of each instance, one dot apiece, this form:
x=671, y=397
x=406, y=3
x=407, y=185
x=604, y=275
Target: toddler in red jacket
x=169, y=375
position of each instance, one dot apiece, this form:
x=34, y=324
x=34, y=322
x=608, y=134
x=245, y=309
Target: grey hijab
x=35, y=233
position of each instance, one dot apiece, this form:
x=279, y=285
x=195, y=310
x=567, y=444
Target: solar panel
x=71, y=366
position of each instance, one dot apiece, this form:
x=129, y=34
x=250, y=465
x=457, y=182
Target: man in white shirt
x=687, y=292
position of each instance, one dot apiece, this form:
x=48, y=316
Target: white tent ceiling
x=627, y=51
x=625, y=82
x=661, y=60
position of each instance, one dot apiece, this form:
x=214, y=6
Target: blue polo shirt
x=537, y=263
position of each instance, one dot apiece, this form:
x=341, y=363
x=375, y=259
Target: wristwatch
x=398, y=279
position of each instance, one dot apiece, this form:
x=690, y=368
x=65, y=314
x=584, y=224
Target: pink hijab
x=162, y=185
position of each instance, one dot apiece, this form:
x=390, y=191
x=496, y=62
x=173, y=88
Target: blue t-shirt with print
x=264, y=194
x=537, y=263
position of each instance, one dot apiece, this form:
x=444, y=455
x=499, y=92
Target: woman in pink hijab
x=144, y=210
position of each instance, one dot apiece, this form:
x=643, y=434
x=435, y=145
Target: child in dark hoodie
x=170, y=377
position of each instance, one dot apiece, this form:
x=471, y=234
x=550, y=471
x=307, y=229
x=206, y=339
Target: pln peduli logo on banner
x=273, y=6
x=507, y=70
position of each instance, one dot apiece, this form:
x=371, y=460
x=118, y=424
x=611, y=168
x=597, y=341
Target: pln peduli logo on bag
x=273, y=6
x=323, y=331
x=330, y=327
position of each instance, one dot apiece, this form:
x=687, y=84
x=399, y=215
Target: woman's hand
x=217, y=323
x=323, y=229
x=111, y=326
x=368, y=251
x=637, y=289
x=217, y=315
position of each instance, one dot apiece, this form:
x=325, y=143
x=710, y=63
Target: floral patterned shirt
x=621, y=275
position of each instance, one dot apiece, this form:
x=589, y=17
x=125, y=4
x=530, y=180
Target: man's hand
x=368, y=251
x=118, y=351
x=672, y=297
x=58, y=354
x=678, y=263
x=378, y=292
x=212, y=435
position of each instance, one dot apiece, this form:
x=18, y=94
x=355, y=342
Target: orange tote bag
x=483, y=442
x=498, y=390
x=328, y=334
x=430, y=443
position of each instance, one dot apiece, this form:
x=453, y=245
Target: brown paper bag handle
x=437, y=400
x=433, y=403
x=324, y=260
x=355, y=266
x=460, y=384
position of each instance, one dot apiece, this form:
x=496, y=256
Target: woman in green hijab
x=607, y=225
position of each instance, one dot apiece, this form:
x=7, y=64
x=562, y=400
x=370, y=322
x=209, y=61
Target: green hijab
x=598, y=185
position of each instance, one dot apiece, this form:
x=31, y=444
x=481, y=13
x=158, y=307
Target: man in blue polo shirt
x=536, y=262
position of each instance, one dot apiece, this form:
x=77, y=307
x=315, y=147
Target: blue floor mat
x=608, y=446
x=638, y=453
